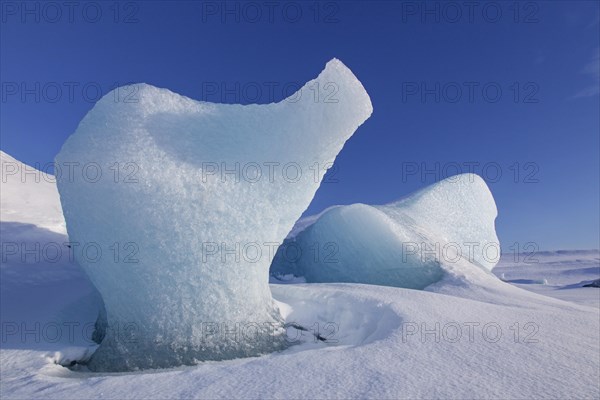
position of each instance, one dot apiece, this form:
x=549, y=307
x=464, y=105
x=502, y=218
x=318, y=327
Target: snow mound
x=186, y=201
x=29, y=196
x=335, y=317
x=408, y=243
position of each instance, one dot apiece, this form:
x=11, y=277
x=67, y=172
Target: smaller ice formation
x=405, y=244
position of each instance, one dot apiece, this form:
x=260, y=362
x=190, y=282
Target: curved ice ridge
x=408, y=243
x=191, y=202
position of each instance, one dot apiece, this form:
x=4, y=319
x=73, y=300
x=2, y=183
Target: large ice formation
x=406, y=243
x=177, y=207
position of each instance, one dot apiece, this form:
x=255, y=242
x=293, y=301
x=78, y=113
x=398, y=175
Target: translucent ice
x=404, y=244
x=185, y=202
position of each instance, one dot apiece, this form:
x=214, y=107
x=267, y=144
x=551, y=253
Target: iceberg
x=409, y=243
x=180, y=206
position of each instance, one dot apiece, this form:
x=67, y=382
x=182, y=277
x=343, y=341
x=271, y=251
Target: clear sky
x=509, y=88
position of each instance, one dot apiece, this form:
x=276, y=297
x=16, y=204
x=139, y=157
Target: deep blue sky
x=546, y=53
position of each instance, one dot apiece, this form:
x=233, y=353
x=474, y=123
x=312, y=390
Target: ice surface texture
x=204, y=193
x=404, y=244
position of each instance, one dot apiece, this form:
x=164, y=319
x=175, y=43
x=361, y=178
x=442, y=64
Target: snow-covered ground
x=469, y=336
x=560, y=274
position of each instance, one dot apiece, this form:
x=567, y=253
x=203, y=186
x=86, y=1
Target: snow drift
x=29, y=196
x=405, y=244
x=186, y=201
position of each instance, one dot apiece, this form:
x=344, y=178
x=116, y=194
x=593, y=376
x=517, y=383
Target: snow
x=383, y=351
x=559, y=274
x=405, y=244
x=43, y=292
x=212, y=188
x=380, y=342
x=29, y=196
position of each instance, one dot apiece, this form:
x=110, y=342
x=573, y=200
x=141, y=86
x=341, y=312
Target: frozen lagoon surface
x=387, y=345
x=205, y=193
